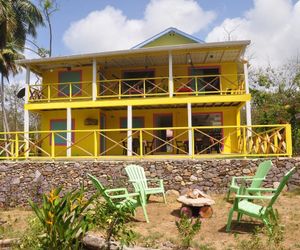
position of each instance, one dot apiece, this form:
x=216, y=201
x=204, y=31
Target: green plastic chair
x=139, y=181
x=124, y=199
x=257, y=180
x=243, y=204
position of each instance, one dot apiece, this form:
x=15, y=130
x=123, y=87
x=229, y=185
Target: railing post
x=141, y=143
x=244, y=140
x=95, y=144
x=52, y=145
x=288, y=136
x=17, y=146
x=196, y=85
x=120, y=89
x=144, y=88
x=70, y=91
x=49, y=92
x=193, y=143
x=69, y=132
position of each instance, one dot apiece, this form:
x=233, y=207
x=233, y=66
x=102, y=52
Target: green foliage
x=64, y=220
x=188, y=228
x=113, y=221
x=29, y=239
x=274, y=237
x=276, y=97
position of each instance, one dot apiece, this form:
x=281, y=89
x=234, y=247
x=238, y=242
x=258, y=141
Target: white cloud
x=271, y=25
x=110, y=29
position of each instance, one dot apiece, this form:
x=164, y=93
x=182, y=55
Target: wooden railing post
x=49, y=92
x=141, y=143
x=288, y=138
x=245, y=140
x=144, y=88
x=52, y=145
x=120, y=89
x=17, y=146
x=70, y=91
x=95, y=144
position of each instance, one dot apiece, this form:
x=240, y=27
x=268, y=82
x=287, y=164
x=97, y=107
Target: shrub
x=64, y=220
x=113, y=221
x=187, y=228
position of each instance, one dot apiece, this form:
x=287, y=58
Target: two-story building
x=170, y=96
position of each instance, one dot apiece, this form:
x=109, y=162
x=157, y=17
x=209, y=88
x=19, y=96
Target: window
x=137, y=122
x=209, y=80
x=136, y=86
x=60, y=138
x=68, y=77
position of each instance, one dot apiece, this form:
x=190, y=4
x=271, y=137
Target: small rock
x=246, y=171
x=178, y=178
x=193, y=178
x=172, y=192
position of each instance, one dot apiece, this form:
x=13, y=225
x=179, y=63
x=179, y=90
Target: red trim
x=61, y=120
x=80, y=83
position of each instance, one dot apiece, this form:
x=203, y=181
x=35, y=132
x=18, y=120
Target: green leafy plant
x=113, y=221
x=187, y=228
x=64, y=219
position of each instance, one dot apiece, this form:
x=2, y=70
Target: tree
x=18, y=19
x=48, y=8
x=276, y=97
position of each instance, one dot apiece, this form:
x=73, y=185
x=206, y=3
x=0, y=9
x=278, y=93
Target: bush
x=64, y=220
x=187, y=228
x=113, y=221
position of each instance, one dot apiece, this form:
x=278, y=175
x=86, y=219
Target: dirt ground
x=162, y=226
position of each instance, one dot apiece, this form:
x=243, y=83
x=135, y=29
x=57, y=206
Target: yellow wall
x=169, y=39
x=85, y=139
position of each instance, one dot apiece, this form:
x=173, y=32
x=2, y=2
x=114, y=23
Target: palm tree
x=18, y=19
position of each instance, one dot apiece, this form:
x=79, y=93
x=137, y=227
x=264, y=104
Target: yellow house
x=170, y=96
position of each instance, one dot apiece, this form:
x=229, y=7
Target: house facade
x=172, y=96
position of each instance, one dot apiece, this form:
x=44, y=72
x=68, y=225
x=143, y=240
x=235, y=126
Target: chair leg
x=164, y=196
x=239, y=217
x=228, y=195
x=229, y=220
x=145, y=213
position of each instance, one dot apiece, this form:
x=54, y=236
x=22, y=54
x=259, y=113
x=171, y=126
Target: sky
x=82, y=26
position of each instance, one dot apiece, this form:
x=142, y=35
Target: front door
x=163, y=121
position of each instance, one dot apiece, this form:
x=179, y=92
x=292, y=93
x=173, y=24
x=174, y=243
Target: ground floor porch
x=159, y=142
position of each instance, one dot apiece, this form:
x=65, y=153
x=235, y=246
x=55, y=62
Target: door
x=102, y=137
x=162, y=121
x=209, y=80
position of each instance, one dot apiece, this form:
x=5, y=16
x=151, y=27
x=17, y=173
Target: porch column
x=171, y=84
x=190, y=132
x=94, y=84
x=26, y=113
x=69, y=134
x=248, y=103
x=129, y=131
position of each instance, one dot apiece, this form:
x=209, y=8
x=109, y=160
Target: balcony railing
x=138, y=88
x=173, y=142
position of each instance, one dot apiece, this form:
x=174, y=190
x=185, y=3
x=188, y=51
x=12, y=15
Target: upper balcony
x=177, y=74
x=199, y=85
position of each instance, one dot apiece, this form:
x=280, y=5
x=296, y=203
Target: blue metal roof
x=171, y=29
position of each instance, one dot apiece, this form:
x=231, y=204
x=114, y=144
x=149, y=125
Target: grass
x=162, y=231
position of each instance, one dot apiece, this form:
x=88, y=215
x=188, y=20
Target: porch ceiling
x=147, y=57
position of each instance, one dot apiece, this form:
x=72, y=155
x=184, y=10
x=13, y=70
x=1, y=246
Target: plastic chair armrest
x=252, y=197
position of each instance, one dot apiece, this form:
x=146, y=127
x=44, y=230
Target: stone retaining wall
x=20, y=181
